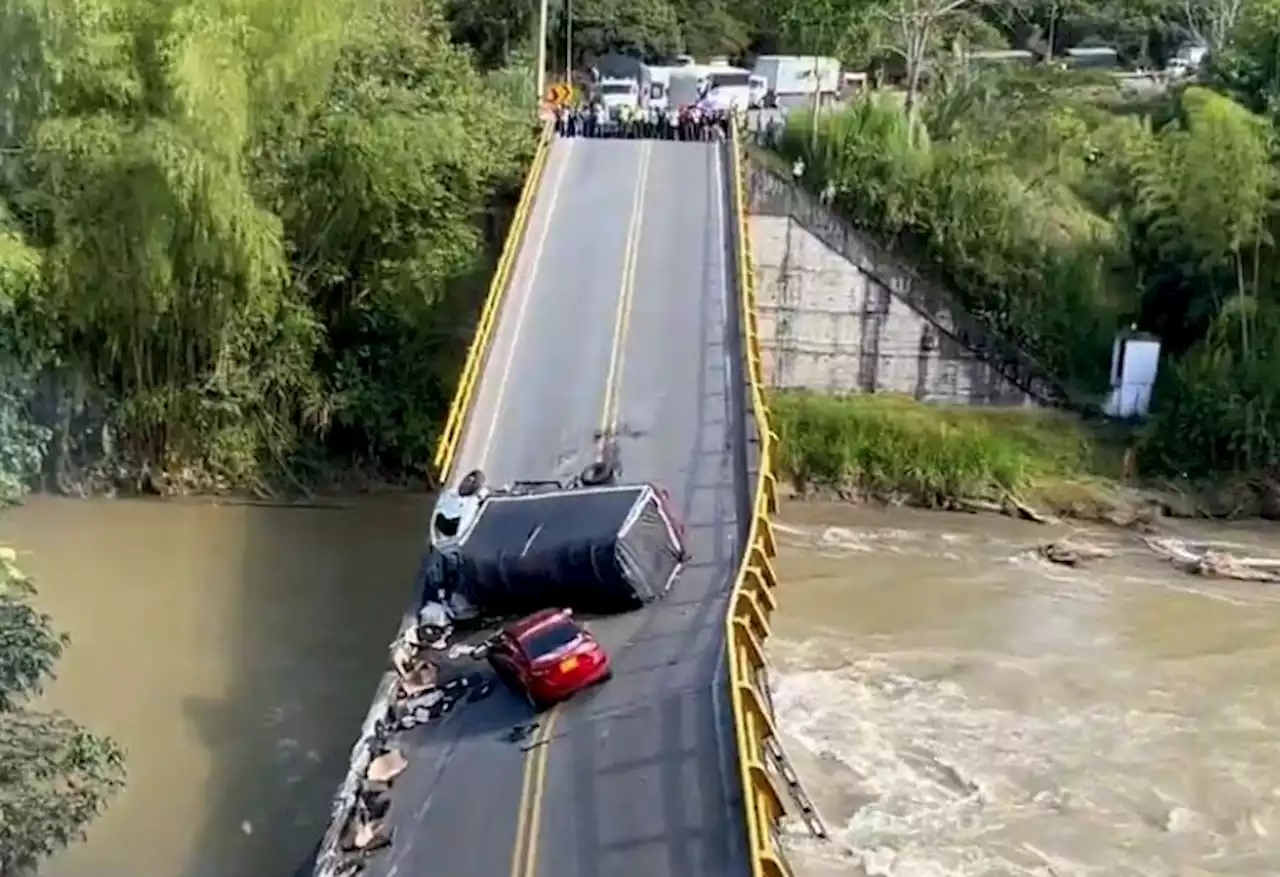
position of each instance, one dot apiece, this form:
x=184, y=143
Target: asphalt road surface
x=621, y=316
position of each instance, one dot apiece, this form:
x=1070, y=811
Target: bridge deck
x=637, y=778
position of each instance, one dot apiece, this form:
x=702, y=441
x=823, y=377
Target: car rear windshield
x=729, y=80
x=545, y=641
x=616, y=88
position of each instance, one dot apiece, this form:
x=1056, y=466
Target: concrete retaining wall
x=839, y=314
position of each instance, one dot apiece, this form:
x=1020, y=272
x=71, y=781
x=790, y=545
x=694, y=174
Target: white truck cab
x=655, y=87
x=616, y=93
x=726, y=88
x=456, y=511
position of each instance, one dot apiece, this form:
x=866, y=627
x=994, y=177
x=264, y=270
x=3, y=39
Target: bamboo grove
x=238, y=237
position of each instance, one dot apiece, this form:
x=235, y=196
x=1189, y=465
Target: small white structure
x=1135, y=359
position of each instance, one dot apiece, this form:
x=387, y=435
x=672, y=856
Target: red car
x=548, y=657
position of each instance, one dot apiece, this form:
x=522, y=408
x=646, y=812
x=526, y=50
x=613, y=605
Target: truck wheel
x=597, y=474
x=471, y=483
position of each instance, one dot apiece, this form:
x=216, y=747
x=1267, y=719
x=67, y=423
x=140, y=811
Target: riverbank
x=319, y=479
x=1022, y=462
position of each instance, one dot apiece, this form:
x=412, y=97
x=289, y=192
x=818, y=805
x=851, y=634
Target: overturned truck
x=594, y=549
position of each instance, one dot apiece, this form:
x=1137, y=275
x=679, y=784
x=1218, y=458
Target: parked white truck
x=655, y=85
x=725, y=87
x=791, y=79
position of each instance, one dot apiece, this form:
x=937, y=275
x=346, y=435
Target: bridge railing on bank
x=753, y=601
x=329, y=856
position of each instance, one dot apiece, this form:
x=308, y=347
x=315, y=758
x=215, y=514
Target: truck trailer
x=597, y=550
x=790, y=80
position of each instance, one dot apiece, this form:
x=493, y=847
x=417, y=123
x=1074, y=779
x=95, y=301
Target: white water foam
x=1060, y=756
x=932, y=779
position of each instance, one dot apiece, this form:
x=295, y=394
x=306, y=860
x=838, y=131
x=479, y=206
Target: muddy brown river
x=956, y=706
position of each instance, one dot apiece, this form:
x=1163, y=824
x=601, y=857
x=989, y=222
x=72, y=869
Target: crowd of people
x=684, y=123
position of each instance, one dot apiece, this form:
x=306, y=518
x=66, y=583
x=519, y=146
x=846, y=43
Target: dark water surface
x=233, y=650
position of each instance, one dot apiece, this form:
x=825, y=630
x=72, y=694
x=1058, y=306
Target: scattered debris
x=1202, y=560
x=418, y=695
x=1068, y=553
x=421, y=678
x=480, y=691
x=521, y=732
x=1009, y=506
x=1016, y=508
x=464, y=650
x=386, y=767
x=367, y=837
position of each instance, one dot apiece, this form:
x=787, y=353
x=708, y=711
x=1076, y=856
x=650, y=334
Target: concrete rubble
x=416, y=694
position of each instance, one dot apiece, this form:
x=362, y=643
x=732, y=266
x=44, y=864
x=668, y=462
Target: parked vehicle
x=791, y=79
x=655, y=85
x=725, y=88
x=548, y=657
x=618, y=94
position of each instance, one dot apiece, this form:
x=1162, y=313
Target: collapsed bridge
x=625, y=299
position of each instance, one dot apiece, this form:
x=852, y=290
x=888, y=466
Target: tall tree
x=647, y=29
x=912, y=26
x=1213, y=22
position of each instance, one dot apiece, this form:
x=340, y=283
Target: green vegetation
x=240, y=241
x=54, y=775
x=896, y=449
x=1059, y=221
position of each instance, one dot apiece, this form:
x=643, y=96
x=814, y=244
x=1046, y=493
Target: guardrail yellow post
x=754, y=600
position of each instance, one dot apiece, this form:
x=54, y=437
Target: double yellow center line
x=630, y=256
x=524, y=855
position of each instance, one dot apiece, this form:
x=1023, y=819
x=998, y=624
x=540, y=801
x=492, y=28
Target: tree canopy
x=1062, y=218
x=247, y=227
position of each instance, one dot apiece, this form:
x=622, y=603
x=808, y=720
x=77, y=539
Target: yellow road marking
x=524, y=852
x=524, y=855
x=539, y=756
x=529, y=285
x=631, y=256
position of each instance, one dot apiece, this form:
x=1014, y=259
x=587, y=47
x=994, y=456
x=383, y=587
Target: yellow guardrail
x=753, y=600
x=473, y=368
